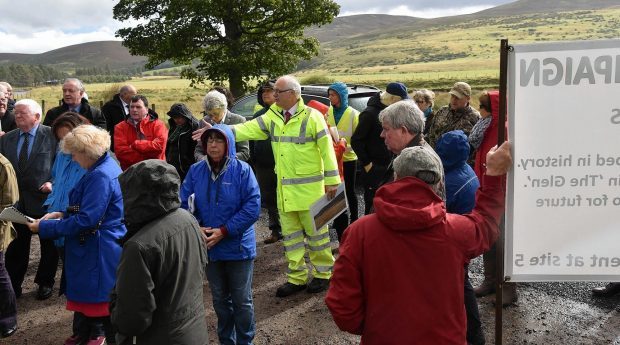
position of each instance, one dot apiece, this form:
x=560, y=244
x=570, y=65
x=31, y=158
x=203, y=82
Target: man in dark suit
x=117, y=109
x=31, y=149
x=73, y=100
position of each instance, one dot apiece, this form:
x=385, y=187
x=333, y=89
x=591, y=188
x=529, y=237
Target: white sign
x=563, y=210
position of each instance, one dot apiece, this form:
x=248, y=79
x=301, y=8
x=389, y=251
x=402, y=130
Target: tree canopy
x=234, y=40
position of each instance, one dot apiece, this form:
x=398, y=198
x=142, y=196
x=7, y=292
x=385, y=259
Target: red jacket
x=490, y=136
x=129, y=150
x=399, y=276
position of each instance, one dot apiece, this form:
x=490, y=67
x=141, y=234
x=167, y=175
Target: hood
x=494, y=98
x=150, y=190
x=408, y=204
x=453, y=149
x=375, y=101
x=230, y=139
x=343, y=93
x=259, y=94
x=182, y=110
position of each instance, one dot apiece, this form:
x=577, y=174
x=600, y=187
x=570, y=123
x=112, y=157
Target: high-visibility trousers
x=298, y=235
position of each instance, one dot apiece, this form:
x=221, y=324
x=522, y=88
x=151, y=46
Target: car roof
x=354, y=89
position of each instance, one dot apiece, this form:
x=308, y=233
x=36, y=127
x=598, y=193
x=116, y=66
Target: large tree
x=234, y=40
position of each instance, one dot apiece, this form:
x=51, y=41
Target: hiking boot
x=607, y=290
x=100, y=340
x=318, y=285
x=272, y=239
x=288, y=289
x=73, y=340
x=486, y=288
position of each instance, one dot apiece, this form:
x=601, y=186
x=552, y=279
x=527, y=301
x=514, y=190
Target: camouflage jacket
x=446, y=120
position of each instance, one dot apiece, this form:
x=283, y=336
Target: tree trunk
x=236, y=84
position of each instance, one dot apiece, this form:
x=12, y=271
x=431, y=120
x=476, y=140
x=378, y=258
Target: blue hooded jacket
x=343, y=92
x=230, y=199
x=461, y=181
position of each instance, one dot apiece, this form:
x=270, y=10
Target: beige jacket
x=8, y=197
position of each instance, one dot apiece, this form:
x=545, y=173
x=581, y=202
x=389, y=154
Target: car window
x=359, y=103
x=245, y=106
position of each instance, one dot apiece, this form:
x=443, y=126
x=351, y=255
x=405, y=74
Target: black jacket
x=158, y=297
x=366, y=141
x=93, y=114
x=8, y=122
x=180, y=149
x=114, y=114
x=261, y=152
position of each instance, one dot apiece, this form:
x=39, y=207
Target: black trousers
x=475, y=335
x=342, y=221
x=372, y=181
x=8, y=306
x=18, y=256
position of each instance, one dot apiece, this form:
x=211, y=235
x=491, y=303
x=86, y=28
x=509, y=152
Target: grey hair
x=6, y=85
x=77, y=82
x=92, y=141
x=32, y=105
x=404, y=113
x=3, y=88
x=214, y=100
x=292, y=83
x=425, y=95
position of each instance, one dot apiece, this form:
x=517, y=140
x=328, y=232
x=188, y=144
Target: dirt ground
x=545, y=314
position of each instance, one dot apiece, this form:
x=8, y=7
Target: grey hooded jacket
x=158, y=295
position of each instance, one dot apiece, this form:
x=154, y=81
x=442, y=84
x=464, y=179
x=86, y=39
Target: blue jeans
x=231, y=288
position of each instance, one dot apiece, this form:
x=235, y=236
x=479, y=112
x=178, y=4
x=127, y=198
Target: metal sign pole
x=499, y=245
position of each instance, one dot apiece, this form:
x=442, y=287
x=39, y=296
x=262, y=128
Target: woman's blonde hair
x=425, y=95
x=92, y=141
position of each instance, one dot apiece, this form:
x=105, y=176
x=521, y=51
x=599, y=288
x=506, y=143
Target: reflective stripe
x=319, y=248
x=302, y=180
x=261, y=124
x=294, y=246
x=321, y=134
x=318, y=237
x=272, y=129
x=331, y=173
x=293, y=235
x=289, y=139
x=323, y=269
x=300, y=269
x=302, y=131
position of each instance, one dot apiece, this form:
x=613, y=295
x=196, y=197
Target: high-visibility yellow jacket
x=346, y=126
x=303, y=151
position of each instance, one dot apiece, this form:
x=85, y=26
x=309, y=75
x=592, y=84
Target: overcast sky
x=35, y=26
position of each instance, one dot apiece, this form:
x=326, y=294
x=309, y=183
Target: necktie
x=126, y=109
x=23, y=153
x=287, y=116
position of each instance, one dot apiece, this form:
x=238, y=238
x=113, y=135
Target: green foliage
x=233, y=40
x=29, y=75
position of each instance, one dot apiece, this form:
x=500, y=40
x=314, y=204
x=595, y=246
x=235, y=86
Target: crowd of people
x=140, y=213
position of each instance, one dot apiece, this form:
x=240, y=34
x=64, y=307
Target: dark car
x=358, y=98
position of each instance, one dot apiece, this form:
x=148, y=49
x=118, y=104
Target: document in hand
x=11, y=214
x=324, y=210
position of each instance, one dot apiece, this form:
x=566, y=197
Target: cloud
x=403, y=10
x=436, y=8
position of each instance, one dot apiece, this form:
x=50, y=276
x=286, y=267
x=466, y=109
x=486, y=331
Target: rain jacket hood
x=230, y=141
x=453, y=149
x=343, y=93
x=150, y=190
x=408, y=204
x=180, y=109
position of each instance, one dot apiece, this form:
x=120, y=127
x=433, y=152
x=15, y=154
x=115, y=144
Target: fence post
x=100, y=104
x=153, y=107
x=43, y=106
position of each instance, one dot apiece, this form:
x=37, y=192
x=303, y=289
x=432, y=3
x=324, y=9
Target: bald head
x=126, y=92
x=3, y=100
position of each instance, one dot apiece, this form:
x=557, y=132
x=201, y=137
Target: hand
x=368, y=167
x=499, y=160
x=46, y=187
x=214, y=235
x=198, y=133
x=330, y=191
x=2, y=133
x=53, y=215
x=34, y=226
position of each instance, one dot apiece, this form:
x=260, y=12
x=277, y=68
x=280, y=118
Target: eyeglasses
x=215, y=140
x=276, y=91
x=419, y=102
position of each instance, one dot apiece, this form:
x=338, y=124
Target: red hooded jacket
x=399, y=276
x=490, y=136
x=129, y=149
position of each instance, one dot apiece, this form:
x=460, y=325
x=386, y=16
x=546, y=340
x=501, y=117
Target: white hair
x=292, y=83
x=214, y=100
x=32, y=105
x=77, y=82
x=404, y=114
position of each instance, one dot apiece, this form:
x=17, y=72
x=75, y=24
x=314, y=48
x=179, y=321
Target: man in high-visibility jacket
x=306, y=168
